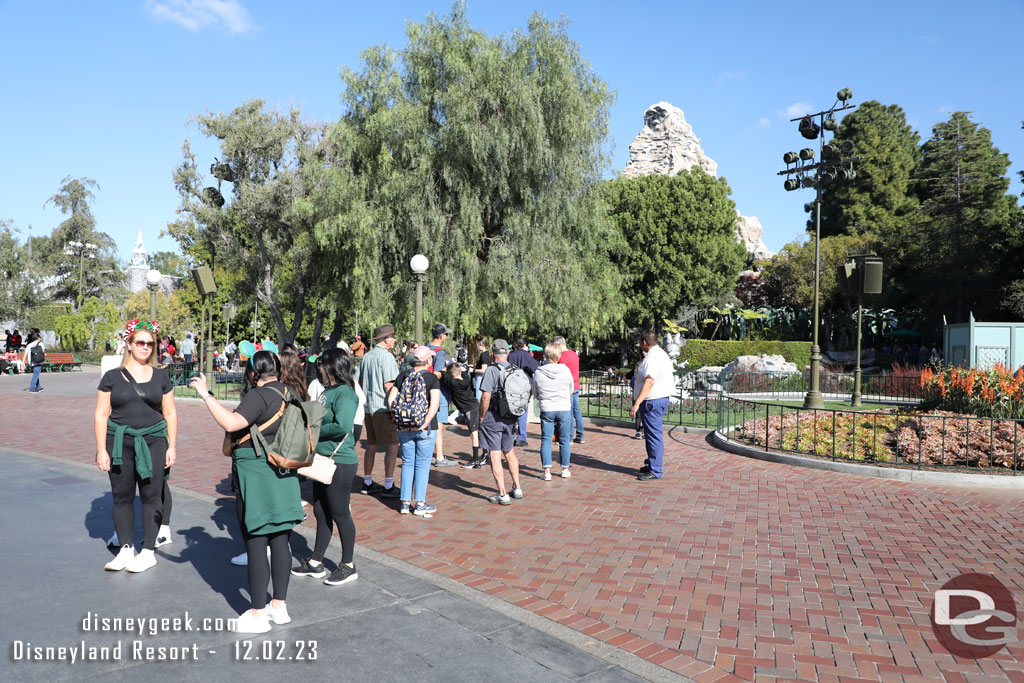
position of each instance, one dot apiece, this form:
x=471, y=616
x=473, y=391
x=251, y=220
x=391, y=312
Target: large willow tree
x=483, y=153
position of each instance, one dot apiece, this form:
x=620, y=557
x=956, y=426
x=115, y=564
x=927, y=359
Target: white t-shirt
x=316, y=390
x=28, y=351
x=658, y=366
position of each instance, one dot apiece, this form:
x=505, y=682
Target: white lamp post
x=153, y=278
x=419, y=264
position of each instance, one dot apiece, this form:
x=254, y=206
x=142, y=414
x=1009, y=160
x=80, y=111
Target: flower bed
x=938, y=439
x=993, y=393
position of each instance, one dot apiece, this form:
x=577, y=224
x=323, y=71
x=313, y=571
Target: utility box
x=982, y=345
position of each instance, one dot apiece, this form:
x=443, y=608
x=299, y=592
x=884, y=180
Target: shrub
x=702, y=352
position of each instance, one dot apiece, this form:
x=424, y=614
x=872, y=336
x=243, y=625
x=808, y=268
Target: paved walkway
x=727, y=567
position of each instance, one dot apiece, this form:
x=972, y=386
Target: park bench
x=59, y=362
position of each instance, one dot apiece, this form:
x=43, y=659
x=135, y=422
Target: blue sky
x=105, y=89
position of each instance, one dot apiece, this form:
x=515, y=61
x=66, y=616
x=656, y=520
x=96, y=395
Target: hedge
x=44, y=316
x=702, y=352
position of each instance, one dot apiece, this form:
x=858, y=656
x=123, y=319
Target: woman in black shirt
x=268, y=497
x=136, y=428
x=460, y=385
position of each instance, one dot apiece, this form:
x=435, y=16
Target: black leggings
x=331, y=506
x=260, y=574
x=165, y=502
x=123, y=480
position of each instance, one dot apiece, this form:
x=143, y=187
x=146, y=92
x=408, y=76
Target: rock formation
x=667, y=145
x=750, y=233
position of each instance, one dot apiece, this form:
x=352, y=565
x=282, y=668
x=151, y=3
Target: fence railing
x=227, y=385
x=891, y=437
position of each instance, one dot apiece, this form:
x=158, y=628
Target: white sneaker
x=146, y=559
x=566, y=473
x=516, y=493
x=240, y=560
x=114, y=542
x=121, y=560
x=278, y=616
x=547, y=475
x=163, y=536
x=247, y=622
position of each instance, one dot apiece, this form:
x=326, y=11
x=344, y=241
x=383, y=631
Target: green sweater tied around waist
x=143, y=459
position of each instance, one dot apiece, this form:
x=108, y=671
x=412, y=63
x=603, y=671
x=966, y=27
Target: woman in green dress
x=269, y=497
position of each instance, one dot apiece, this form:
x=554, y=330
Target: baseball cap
x=423, y=353
x=439, y=329
x=499, y=346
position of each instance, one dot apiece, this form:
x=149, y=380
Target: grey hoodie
x=552, y=385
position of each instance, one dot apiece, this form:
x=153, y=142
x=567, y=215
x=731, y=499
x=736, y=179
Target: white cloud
x=194, y=15
x=729, y=76
x=763, y=122
x=797, y=109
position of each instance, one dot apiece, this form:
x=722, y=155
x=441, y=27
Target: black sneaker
x=578, y=440
x=373, y=488
x=342, y=574
x=307, y=569
x=472, y=464
x=638, y=436
x=485, y=461
x=393, y=492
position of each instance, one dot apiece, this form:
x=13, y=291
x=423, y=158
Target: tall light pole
x=83, y=251
x=153, y=278
x=228, y=311
x=419, y=264
x=836, y=162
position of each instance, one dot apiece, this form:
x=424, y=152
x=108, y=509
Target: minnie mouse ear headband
x=150, y=325
x=247, y=349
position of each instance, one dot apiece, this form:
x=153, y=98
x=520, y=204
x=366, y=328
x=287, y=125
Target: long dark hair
x=292, y=374
x=337, y=367
x=263, y=364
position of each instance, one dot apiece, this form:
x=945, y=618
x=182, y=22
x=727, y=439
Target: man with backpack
x=505, y=396
x=522, y=358
x=34, y=357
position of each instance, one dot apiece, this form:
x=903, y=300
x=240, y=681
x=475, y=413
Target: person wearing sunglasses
x=136, y=428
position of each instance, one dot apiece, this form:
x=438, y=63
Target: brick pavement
x=727, y=568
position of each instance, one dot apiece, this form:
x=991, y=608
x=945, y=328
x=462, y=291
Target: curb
x=722, y=441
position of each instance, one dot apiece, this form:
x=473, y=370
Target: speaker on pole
x=872, y=276
x=204, y=280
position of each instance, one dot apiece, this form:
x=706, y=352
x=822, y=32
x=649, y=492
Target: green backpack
x=295, y=442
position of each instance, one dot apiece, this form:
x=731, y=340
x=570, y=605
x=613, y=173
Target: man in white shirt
x=654, y=382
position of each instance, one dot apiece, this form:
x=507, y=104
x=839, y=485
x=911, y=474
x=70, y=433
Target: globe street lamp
x=419, y=264
x=836, y=164
x=153, y=278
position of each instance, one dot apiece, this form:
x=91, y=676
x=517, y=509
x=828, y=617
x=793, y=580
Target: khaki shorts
x=379, y=429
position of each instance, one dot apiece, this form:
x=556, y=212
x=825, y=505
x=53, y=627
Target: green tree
x=94, y=323
x=965, y=243
x=19, y=288
x=257, y=233
x=80, y=271
x=681, y=237
x=169, y=263
x=878, y=199
x=482, y=153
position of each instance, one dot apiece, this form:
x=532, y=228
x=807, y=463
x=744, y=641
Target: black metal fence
x=890, y=437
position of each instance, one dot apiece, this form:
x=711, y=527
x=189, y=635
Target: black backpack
x=38, y=356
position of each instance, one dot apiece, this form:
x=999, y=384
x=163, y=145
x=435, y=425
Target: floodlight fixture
x=807, y=181
x=847, y=147
x=829, y=152
x=808, y=128
x=827, y=178
x=807, y=153
x=830, y=123
x=791, y=184
x=844, y=95
x=790, y=157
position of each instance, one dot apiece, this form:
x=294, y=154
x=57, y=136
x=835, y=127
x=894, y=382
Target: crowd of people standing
x=398, y=407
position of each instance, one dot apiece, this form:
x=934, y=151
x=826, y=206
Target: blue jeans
x=522, y=425
x=476, y=387
x=577, y=415
x=417, y=449
x=652, y=414
x=549, y=422
x=33, y=384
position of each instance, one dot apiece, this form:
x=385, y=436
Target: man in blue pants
x=522, y=358
x=654, y=383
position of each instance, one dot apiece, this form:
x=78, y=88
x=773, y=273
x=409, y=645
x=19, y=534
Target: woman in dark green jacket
x=331, y=501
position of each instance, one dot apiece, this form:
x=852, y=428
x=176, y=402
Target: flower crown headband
x=150, y=325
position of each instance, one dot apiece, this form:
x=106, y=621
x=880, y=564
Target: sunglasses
x=145, y=344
